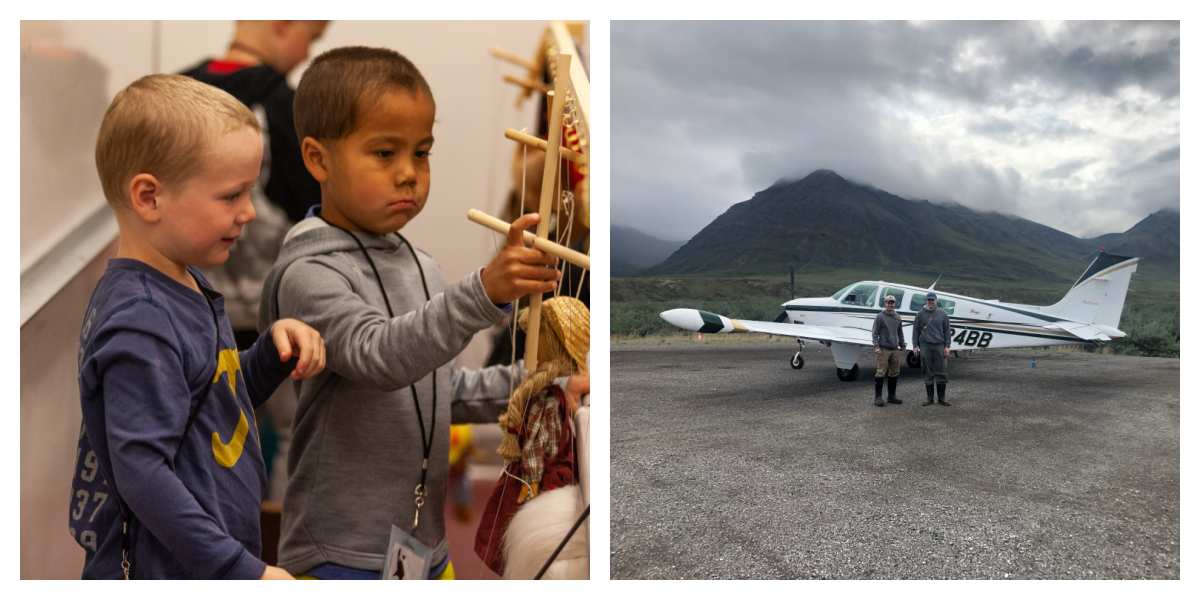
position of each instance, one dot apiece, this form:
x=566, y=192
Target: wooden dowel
x=528, y=84
x=515, y=59
x=574, y=257
x=537, y=142
x=549, y=189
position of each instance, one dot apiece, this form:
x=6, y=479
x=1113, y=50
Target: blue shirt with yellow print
x=168, y=416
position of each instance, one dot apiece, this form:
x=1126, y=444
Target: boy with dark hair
x=369, y=458
x=170, y=472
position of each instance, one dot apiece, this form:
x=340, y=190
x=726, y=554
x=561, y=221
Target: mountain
x=633, y=251
x=827, y=221
x=1155, y=239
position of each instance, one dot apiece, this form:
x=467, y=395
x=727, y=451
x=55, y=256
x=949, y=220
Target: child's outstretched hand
x=275, y=573
x=518, y=270
x=294, y=338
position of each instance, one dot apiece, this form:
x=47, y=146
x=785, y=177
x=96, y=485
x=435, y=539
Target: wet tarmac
x=727, y=463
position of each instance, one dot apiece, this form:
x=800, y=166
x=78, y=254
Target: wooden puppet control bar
x=549, y=190
x=576, y=258
x=537, y=142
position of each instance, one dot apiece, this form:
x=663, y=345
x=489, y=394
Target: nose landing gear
x=797, y=361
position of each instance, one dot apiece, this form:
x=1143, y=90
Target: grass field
x=1151, y=316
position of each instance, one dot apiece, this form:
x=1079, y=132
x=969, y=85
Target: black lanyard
x=426, y=440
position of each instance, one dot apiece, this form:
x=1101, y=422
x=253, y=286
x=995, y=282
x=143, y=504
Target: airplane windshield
x=838, y=294
x=863, y=294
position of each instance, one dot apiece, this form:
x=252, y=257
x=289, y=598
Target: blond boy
x=169, y=474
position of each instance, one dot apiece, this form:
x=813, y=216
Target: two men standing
x=931, y=341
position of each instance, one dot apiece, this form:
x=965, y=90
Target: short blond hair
x=162, y=125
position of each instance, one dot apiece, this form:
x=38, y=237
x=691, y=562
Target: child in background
x=169, y=474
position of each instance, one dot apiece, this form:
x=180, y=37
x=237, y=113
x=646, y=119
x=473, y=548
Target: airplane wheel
x=797, y=361
x=848, y=374
x=912, y=359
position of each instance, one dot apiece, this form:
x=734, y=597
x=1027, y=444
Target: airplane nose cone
x=683, y=318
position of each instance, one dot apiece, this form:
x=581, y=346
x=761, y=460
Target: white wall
x=70, y=70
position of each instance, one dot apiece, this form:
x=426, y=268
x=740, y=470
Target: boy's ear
x=316, y=158
x=144, y=190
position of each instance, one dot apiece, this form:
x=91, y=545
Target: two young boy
x=158, y=372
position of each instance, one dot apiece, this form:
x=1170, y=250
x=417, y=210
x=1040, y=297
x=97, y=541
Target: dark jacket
x=888, y=331
x=932, y=327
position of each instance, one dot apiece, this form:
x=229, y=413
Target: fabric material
x=887, y=362
x=931, y=327
x=888, y=331
x=557, y=470
x=933, y=363
x=283, y=193
x=150, y=356
x=356, y=447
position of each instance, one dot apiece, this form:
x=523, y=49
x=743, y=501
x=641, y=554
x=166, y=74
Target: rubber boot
x=928, y=395
x=941, y=389
x=892, y=399
x=878, y=391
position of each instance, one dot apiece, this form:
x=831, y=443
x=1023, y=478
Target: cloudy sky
x=1074, y=125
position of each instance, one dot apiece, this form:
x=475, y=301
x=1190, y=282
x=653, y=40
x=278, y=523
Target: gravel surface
x=727, y=463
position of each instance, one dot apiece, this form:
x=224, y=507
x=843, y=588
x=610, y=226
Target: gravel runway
x=727, y=463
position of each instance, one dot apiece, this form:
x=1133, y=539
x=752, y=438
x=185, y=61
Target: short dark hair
x=341, y=81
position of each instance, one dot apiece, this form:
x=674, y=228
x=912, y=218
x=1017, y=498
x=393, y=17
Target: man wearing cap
x=931, y=341
x=888, y=334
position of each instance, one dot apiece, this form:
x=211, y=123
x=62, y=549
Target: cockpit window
x=838, y=294
x=897, y=292
x=918, y=302
x=863, y=294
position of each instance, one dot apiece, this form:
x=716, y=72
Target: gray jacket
x=932, y=327
x=888, y=331
x=356, y=453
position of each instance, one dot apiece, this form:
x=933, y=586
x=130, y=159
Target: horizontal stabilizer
x=1087, y=332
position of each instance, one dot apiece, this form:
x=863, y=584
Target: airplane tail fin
x=1098, y=296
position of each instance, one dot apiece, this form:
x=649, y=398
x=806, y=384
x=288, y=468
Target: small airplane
x=1089, y=313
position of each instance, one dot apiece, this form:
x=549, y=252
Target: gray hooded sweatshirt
x=931, y=327
x=356, y=453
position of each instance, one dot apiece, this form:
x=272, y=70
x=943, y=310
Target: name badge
x=407, y=557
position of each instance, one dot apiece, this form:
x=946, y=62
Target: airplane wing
x=1085, y=331
x=706, y=322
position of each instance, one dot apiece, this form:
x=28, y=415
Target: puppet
x=535, y=521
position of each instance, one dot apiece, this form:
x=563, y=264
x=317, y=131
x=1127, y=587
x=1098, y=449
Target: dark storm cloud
x=1015, y=117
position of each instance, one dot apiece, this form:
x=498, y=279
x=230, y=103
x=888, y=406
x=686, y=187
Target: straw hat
x=570, y=321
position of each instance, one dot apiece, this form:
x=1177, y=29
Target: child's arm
x=287, y=348
x=481, y=395
x=146, y=403
x=365, y=345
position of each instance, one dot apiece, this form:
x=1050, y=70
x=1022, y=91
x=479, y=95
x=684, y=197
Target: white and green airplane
x=1090, y=312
